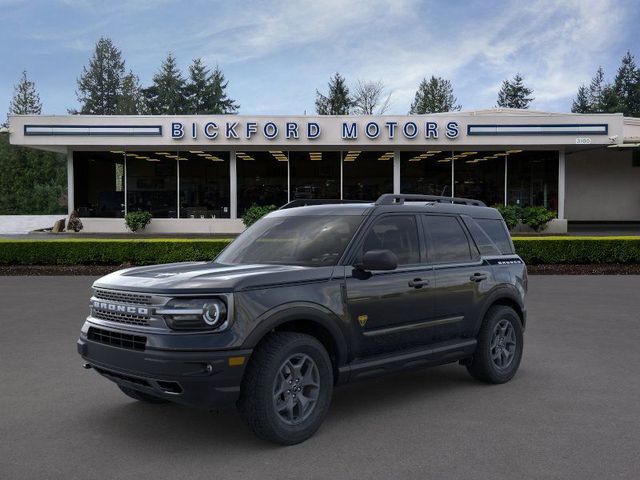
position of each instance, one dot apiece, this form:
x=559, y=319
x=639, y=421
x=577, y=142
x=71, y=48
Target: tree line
x=106, y=87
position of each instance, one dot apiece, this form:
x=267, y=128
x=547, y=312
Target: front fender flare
x=292, y=311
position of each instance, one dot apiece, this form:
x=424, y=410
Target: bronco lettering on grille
x=113, y=307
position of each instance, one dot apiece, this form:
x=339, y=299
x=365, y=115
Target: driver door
x=390, y=310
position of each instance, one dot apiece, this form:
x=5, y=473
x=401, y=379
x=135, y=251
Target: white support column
x=125, y=185
x=341, y=175
x=396, y=171
x=178, y=187
x=506, y=169
x=561, y=183
x=288, y=177
x=233, y=186
x=453, y=176
x=70, y=193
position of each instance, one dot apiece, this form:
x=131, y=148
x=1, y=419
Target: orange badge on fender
x=362, y=319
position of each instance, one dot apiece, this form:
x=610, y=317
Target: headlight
x=194, y=314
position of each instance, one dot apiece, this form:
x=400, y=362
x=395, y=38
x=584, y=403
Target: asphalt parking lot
x=573, y=410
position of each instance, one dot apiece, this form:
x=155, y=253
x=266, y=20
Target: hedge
x=578, y=250
x=107, y=252
x=534, y=250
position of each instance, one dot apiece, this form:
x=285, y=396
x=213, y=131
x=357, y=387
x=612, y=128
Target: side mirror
x=378, y=260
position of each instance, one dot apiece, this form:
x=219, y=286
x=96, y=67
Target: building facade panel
x=201, y=173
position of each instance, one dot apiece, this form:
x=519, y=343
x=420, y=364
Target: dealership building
x=199, y=174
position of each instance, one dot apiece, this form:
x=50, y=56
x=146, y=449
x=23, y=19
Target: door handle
x=478, y=277
x=418, y=283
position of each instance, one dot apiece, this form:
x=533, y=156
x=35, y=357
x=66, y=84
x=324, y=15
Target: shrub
x=511, y=214
x=137, y=220
x=73, y=251
x=74, y=223
x=255, y=213
x=578, y=250
x=537, y=217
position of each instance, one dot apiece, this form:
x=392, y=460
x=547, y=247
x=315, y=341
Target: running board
x=436, y=354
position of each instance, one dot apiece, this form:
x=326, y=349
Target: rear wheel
x=499, y=349
x=287, y=388
x=141, y=396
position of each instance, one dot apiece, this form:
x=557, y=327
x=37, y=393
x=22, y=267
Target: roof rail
x=399, y=199
x=303, y=202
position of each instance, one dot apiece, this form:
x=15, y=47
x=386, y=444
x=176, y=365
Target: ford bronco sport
x=311, y=297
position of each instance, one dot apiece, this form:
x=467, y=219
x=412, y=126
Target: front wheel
x=499, y=349
x=287, y=388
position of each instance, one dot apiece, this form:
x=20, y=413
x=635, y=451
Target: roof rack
x=303, y=202
x=399, y=199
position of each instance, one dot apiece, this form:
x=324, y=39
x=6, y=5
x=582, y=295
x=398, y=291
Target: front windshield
x=314, y=240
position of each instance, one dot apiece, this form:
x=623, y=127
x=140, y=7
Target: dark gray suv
x=311, y=297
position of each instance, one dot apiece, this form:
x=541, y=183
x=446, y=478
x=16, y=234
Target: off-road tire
x=141, y=396
x=482, y=365
x=256, y=403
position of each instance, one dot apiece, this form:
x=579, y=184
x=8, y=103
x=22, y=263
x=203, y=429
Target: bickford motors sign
x=290, y=130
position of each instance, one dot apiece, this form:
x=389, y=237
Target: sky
x=275, y=54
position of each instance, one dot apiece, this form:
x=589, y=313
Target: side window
x=449, y=243
x=497, y=232
x=484, y=243
x=397, y=233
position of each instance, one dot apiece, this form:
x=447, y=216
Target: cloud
x=277, y=53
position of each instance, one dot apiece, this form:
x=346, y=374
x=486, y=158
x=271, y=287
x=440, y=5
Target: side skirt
x=436, y=354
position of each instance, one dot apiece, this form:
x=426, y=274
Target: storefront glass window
x=152, y=183
x=99, y=184
x=532, y=178
x=315, y=175
x=262, y=179
x=426, y=172
x=367, y=175
x=480, y=175
x=204, y=184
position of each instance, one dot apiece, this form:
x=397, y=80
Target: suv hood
x=205, y=277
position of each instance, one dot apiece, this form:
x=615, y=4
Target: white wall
x=12, y=224
x=602, y=185
x=215, y=226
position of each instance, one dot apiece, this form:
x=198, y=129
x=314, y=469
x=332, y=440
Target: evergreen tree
x=166, y=96
x=514, y=93
x=222, y=103
x=206, y=92
x=627, y=86
x=434, y=95
x=100, y=84
x=337, y=101
x=581, y=103
x=596, y=89
x=31, y=181
x=26, y=100
x=130, y=101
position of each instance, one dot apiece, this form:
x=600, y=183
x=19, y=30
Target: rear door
x=461, y=278
x=389, y=310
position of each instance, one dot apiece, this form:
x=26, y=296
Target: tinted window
x=448, y=243
x=314, y=240
x=497, y=232
x=482, y=240
x=398, y=234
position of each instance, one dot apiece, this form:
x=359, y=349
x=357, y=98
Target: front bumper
x=205, y=379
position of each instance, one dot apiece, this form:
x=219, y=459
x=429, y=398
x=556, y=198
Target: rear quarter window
x=498, y=233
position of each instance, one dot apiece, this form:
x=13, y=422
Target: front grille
x=124, y=297
x=128, y=318
x=117, y=339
